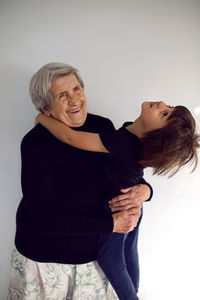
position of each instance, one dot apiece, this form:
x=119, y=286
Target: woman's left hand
x=132, y=197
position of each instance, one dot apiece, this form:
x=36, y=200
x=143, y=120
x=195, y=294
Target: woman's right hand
x=125, y=222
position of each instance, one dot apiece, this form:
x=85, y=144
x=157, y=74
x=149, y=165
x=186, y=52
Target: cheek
x=59, y=108
x=148, y=117
x=151, y=122
x=83, y=99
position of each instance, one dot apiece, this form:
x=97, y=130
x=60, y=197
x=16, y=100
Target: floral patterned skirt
x=30, y=280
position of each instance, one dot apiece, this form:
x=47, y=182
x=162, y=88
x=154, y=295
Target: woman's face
x=155, y=115
x=69, y=101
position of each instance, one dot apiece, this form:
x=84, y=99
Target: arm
x=79, y=139
x=132, y=198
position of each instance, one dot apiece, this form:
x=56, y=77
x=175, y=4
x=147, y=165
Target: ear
x=46, y=113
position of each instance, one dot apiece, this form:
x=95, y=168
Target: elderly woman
x=61, y=214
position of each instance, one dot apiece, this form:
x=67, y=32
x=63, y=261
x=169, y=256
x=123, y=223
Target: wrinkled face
x=69, y=101
x=155, y=115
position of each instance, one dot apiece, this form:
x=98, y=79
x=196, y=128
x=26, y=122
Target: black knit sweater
x=62, y=212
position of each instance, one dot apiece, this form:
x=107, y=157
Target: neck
x=136, y=128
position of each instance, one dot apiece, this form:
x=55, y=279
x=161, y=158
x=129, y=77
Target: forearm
x=79, y=139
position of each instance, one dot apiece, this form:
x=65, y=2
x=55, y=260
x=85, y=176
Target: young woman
x=162, y=137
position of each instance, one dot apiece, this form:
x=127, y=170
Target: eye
x=77, y=88
x=164, y=114
x=63, y=95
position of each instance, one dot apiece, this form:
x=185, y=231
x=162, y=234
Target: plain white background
x=127, y=52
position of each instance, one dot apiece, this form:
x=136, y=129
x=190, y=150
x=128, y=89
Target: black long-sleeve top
x=121, y=170
x=61, y=213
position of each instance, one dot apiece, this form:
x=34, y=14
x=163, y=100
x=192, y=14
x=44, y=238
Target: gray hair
x=40, y=87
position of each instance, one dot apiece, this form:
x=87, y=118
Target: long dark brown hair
x=168, y=149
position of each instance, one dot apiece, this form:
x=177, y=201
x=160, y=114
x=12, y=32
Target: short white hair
x=40, y=87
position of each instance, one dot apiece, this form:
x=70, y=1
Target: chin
x=144, y=104
x=79, y=122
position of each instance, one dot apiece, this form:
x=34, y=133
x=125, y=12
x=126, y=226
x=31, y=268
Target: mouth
x=74, y=111
x=151, y=104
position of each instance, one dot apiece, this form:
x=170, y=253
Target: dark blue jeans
x=118, y=258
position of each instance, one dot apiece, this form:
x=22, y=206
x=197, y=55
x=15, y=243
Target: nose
x=161, y=103
x=73, y=100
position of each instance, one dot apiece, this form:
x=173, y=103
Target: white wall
x=127, y=51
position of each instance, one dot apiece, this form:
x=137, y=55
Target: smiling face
x=69, y=101
x=155, y=115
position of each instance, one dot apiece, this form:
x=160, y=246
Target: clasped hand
x=128, y=207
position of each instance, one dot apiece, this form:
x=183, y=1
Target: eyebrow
x=66, y=92
x=60, y=94
x=170, y=113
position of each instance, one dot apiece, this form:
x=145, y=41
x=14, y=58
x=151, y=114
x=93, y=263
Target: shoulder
x=98, y=123
x=129, y=137
x=37, y=136
x=121, y=142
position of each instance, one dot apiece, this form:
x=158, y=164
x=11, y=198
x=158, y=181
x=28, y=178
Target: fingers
x=130, y=214
x=134, y=224
x=125, y=205
x=125, y=190
x=36, y=119
x=124, y=223
x=119, y=198
x=46, y=113
x=134, y=211
x=131, y=210
x=134, y=196
x=129, y=228
x=131, y=193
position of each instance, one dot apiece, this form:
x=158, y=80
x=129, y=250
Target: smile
x=74, y=111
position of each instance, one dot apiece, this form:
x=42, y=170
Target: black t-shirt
x=121, y=168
